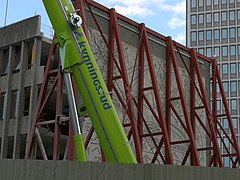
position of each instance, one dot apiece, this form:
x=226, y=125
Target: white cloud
x=131, y=2
x=177, y=9
x=181, y=38
x=134, y=10
x=176, y=22
x=180, y=8
x=178, y=18
x=141, y=8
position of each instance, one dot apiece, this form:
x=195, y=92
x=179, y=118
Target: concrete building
x=23, y=54
x=213, y=28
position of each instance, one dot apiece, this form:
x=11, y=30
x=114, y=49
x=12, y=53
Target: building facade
x=23, y=53
x=213, y=28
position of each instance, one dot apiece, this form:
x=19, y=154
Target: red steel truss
x=190, y=109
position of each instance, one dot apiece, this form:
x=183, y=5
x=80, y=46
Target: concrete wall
x=20, y=31
x=72, y=170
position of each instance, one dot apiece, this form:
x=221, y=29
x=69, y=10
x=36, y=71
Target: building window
x=238, y=14
x=238, y=50
x=224, y=51
x=17, y=59
x=193, y=19
x=193, y=3
x=201, y=50
x=231, y=1
x=5, y=62
x=225, y=86
x=226, y=142
x=200, y=19
x=233, y=86
x=215, y=2
x=234, y=121
x=216, y=17
x=233, y=68
x=200, y=3
x=2, y=104
x=224, y=16
x=224, y=2
x=209, y=35
x=209, y=52
x=225, y=69
x=209, y=2
x=226, y=161
x=233, y=105
x=238, y=32
x=232, y=50
x=218, y=90
x=224, y=33
x=232, y=32
x=194, y=36
x=218, y=105
x=27, y=91
x=216, y=34
x=216, y=51
x=225, y=123
x=231, y=15
x=210, y=72
x=13, y=103
x=200, y=35
x=209, y=17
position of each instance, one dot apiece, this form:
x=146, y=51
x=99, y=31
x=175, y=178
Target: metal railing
x=47, y=31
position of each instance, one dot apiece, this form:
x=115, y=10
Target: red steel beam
x=29, y=141
x=70, y=144
x=140, y=84
x=209, y=115
x=57, y=128
x=115, y=32
x=173, y=60
x=214, y=101
x=192, y=103
x=227, y=111
x=160, y=120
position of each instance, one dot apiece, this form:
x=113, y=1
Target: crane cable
x=6, y=11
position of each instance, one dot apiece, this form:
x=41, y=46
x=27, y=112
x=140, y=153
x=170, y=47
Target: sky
x=168, y=17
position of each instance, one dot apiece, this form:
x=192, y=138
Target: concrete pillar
x=1, y=64
x=1, y=60
x=34, y=90
x=6, y=116
x=20, y=100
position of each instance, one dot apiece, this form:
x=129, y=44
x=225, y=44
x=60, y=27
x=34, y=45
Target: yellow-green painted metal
x=80, y=148
x=78, y=59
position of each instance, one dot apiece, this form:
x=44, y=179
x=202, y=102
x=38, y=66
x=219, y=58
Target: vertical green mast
x=77, y=59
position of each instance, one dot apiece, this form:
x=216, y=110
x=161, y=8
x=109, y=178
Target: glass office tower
x=213, y=28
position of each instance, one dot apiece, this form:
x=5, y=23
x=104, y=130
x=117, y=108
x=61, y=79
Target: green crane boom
x=79, y=62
